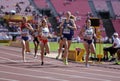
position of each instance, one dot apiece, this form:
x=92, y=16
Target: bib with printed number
x=35, y=34
x=45, y=32
x=89, y=33
x=25, y=31
x=66, y=31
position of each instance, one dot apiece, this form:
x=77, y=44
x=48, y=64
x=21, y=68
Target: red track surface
x=13, y=69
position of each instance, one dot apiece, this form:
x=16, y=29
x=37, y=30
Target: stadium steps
x=116, y=24
x=109, y=29
x=116, y=7
x=52, y=7
x=93, y=9
x=34, y=5
x=100, y=5
x=111, y=11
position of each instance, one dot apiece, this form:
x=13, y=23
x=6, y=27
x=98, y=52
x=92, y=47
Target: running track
x=13, y=69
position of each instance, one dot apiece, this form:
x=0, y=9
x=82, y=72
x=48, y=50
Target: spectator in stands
x=18, y=7
x=87, y=33
x=28, y=9
x=25, y=27
x=2, y=7
x=34, y=13
x=89, y=15
x=66, y=2
x=17, y=10
x=112, y=49
x=67, y=28
x=1, y=11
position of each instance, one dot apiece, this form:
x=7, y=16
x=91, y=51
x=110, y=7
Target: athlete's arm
x=94, y=34
x=61, y=27
x=74, y=25
x=81, y=32
x=29, y=27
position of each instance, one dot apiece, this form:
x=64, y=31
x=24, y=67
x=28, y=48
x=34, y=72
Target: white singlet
x=45, y=32
x=89, y=32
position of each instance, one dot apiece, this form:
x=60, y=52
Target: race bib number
x=66, y=31
x=25, y=31
x=89, y=34
x=36, y=34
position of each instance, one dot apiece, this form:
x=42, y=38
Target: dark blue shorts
x=88, y=41
x=68, y=37
x=25, y=38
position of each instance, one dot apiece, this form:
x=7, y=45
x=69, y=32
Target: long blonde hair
x=73, y=17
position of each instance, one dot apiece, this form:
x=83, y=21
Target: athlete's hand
x=50, y=36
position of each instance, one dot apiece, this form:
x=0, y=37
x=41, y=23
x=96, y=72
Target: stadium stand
x=41, y=3
x=100, y=5
x=115, y=5
x=16, y=6
x=116, y=21
x=77, y=7
x=116, y=24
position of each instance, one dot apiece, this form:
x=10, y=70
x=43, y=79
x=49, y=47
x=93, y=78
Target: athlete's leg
x=92, y=48
x=42, y=47
x=23, y=49
x=86, y=46
x=65, y=55
x=36, y=44
x=69, y=44
x=60, y=49
x=47, y=48
x=27, y=46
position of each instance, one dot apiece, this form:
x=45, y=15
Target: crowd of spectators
x=4, y=33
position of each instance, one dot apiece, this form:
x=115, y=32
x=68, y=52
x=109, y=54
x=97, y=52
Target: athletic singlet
x=35, y=33
x=89, y=32
x=44, y=35
x=67, y=30
x=45, y=32
x=24, y=30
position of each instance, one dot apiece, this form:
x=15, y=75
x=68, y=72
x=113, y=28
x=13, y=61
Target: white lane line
x=73, y=70
x=8, y=59
x=20, y=56
x=94, y=74
x=11, y=54
x=98, y=70
x=70, y=70
x=8, y=79
x=17, y=61
x=27, y=75
x=30, y=59
x=59, y=64
x=2, y=59
x=12, y=49
x=54, y=73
